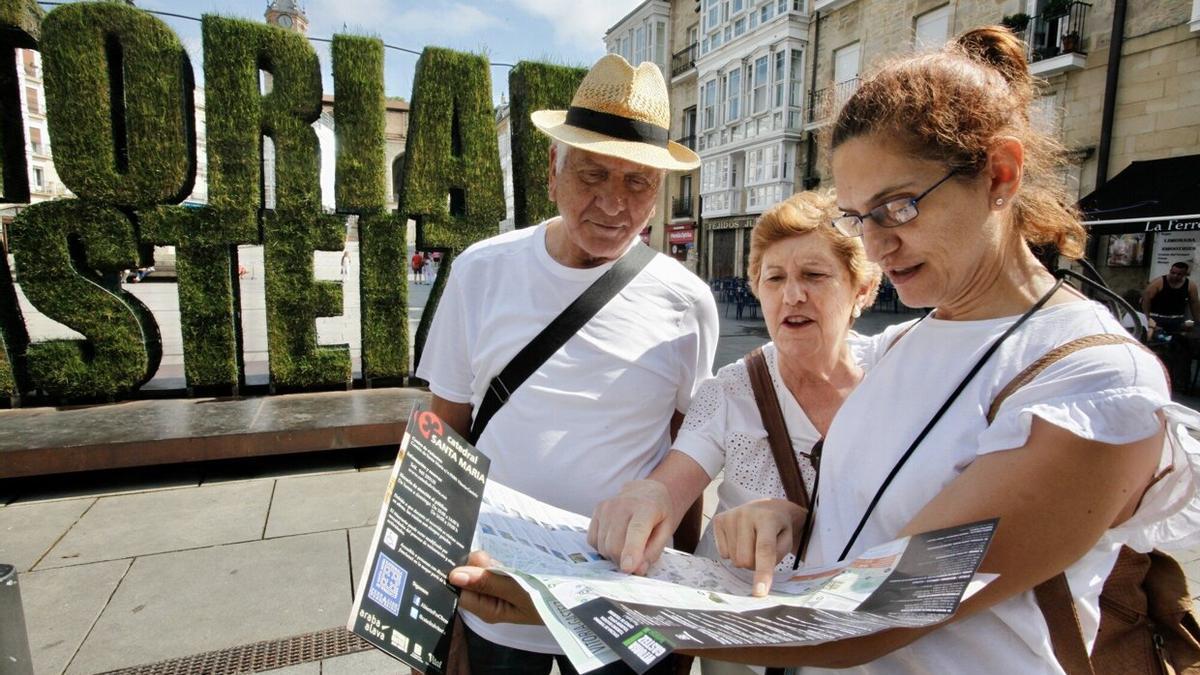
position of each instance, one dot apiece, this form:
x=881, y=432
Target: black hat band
x=617, y=126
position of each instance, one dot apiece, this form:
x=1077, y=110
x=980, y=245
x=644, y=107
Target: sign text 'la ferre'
x=119, y=105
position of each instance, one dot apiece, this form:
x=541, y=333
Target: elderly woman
x=812, y=283
x=940, y=172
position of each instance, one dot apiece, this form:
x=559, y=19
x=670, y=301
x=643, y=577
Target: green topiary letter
x=535, y=86
x=20, y=27
x=361, y=187
x=452, y=185
x=61, y=249
x=119, y=104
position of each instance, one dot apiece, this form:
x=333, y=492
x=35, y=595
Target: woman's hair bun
x=999, y=48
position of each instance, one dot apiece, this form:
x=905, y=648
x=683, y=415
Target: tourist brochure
x=403, y=604
x=599, y=614
x=438, y=498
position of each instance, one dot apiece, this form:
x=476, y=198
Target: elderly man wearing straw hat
x=570, y=413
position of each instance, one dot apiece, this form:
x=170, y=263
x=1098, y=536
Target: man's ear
x=551, y=173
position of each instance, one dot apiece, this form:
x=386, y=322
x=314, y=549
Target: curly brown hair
x=952, y=105
x=806, y=212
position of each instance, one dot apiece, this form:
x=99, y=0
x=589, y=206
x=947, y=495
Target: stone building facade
x=644, y=34
x=1156, y=113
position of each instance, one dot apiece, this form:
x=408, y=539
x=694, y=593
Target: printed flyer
x=403, y=604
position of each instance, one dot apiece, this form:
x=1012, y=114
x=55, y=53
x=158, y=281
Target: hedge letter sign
x=119, y=105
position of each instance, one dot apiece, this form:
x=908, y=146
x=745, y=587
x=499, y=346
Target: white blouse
x=1113, y=394
x=723, y=429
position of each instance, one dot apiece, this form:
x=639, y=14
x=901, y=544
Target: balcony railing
x=1052, y=34
x=824, y=102
x=688, y=141
x=684, y=60
x=682, y=207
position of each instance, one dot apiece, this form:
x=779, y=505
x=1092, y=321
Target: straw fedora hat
x=622, y=112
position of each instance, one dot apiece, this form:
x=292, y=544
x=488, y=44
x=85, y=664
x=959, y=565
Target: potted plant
x=1070, y=42
x=1055, y=8
x=1017, y=23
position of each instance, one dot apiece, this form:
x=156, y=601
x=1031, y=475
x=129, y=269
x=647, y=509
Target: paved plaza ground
x=131, y=567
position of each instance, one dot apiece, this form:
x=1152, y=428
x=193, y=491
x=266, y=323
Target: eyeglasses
x=890, y=214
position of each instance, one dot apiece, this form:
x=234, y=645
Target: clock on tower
x=287, y=14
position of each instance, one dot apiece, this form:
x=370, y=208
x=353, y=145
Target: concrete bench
x=41, y=441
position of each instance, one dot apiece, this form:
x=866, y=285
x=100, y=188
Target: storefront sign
x=1174, y=225
x=1173, y=247
x=681, y=234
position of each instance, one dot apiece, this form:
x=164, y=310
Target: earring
x=856, y=312
x=999, y=201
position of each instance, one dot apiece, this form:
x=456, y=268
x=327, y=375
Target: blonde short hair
x=813, y=212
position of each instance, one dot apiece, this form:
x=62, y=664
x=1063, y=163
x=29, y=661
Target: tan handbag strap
x=1066, y=635
x=781, y=444
x=1054, y=595
x=1049, y=358
x=777, y=433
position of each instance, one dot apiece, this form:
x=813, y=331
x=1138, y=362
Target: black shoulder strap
x=556, y=334
x=941, y=411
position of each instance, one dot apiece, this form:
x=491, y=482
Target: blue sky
x=559, y=31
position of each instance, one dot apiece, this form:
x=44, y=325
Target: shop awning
x=1157, y=195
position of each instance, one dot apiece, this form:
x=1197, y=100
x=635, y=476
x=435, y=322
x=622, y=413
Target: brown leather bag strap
x=1049, y=358
x=777, y=433
x=1066, y=635
x=1053, y=596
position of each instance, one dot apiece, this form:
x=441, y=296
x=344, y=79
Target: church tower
x=287, y=14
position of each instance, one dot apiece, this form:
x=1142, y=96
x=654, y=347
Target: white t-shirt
x=723, y=430
x=596, y=415
x=1108, y=393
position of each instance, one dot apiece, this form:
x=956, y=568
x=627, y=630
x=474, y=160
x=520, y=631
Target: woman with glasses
x=943, y=177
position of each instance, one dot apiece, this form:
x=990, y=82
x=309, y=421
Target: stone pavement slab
x=155, y=522
x=331, y=502
x=28, y=531
x=360, y=542
x=177, y=604
x=310, y=668
x=62, y=605
x=371, y=662
x=85, y=484
x=267, y=468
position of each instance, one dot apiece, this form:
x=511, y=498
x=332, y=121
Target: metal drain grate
x=257, y=657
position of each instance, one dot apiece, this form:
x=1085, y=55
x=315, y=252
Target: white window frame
x=796, y=78
x=708, y=104
x=935, y=24
x=761, y=75
x=837, y=58
x=779, y=77
x=660, y=43
x=733, y=95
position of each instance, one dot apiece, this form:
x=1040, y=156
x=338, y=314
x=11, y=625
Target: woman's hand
x=491, y=597
x=633, y=527
x=757, y=535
